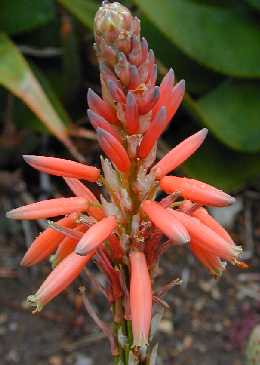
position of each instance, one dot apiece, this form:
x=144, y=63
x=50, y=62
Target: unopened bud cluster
x=126, y=229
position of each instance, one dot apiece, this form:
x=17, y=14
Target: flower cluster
x=126, y=229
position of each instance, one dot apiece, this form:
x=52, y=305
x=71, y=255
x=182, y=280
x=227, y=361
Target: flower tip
x=11, y=214
x=34, y=302
x=230, y=200
x=29, y=158
x=25, y=262
x=204, y=132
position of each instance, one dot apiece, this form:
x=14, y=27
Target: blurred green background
x=47, y=63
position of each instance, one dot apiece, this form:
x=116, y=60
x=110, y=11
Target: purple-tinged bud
x=151, y=61
x=144, y=46
x=148, y=101
x=131, y=114
x=108, y=53
x=135, y=80
x=136, y=26
x=135, y=56
x=111, y=19
x=153, y=76
x=99, y=106
x=167, y=82
x=122, y=69
x=106, y=73
x=116, y=92
x=99, y=122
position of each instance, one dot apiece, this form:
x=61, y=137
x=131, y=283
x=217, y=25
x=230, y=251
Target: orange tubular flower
x=114, y=150
x=196, y=191
x=49, y=208
x=59, y=279
x=206, y=238
x=210, y=261
x=208, y=220
x=47, y=242
x=163, y=220
x=140, y=298
x=61, y=167
x=123, y=225
x=96, y=235
x=179, y=154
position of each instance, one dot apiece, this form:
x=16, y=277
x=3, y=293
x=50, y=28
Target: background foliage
x=47, y=63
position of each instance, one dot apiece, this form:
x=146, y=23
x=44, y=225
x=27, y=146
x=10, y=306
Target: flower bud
x=112, y=19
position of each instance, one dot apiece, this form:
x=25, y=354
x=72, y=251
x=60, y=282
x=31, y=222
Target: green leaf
x=84, y=10
x=17, y=77
x=198, y=79
x=221, y=167
x=24, y=15
x=254, y=3
x=218, y=37
x=232, y=113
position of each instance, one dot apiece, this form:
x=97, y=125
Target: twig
x=87, y=340
x=101, y=324
x=94, y=282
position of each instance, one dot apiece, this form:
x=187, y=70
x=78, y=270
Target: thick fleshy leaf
x=222, y=167
x=232, y=113
x=24, y=15
x=18, y=78
x=254, y=3
x=221, y=38
x=84, y=10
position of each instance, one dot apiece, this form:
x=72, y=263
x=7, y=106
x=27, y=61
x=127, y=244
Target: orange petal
x=61, y=167
x=47, y=242
x=140, y=299
x=48, y=208
x=163, y=220
x=96, y=235
x=196, y=191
